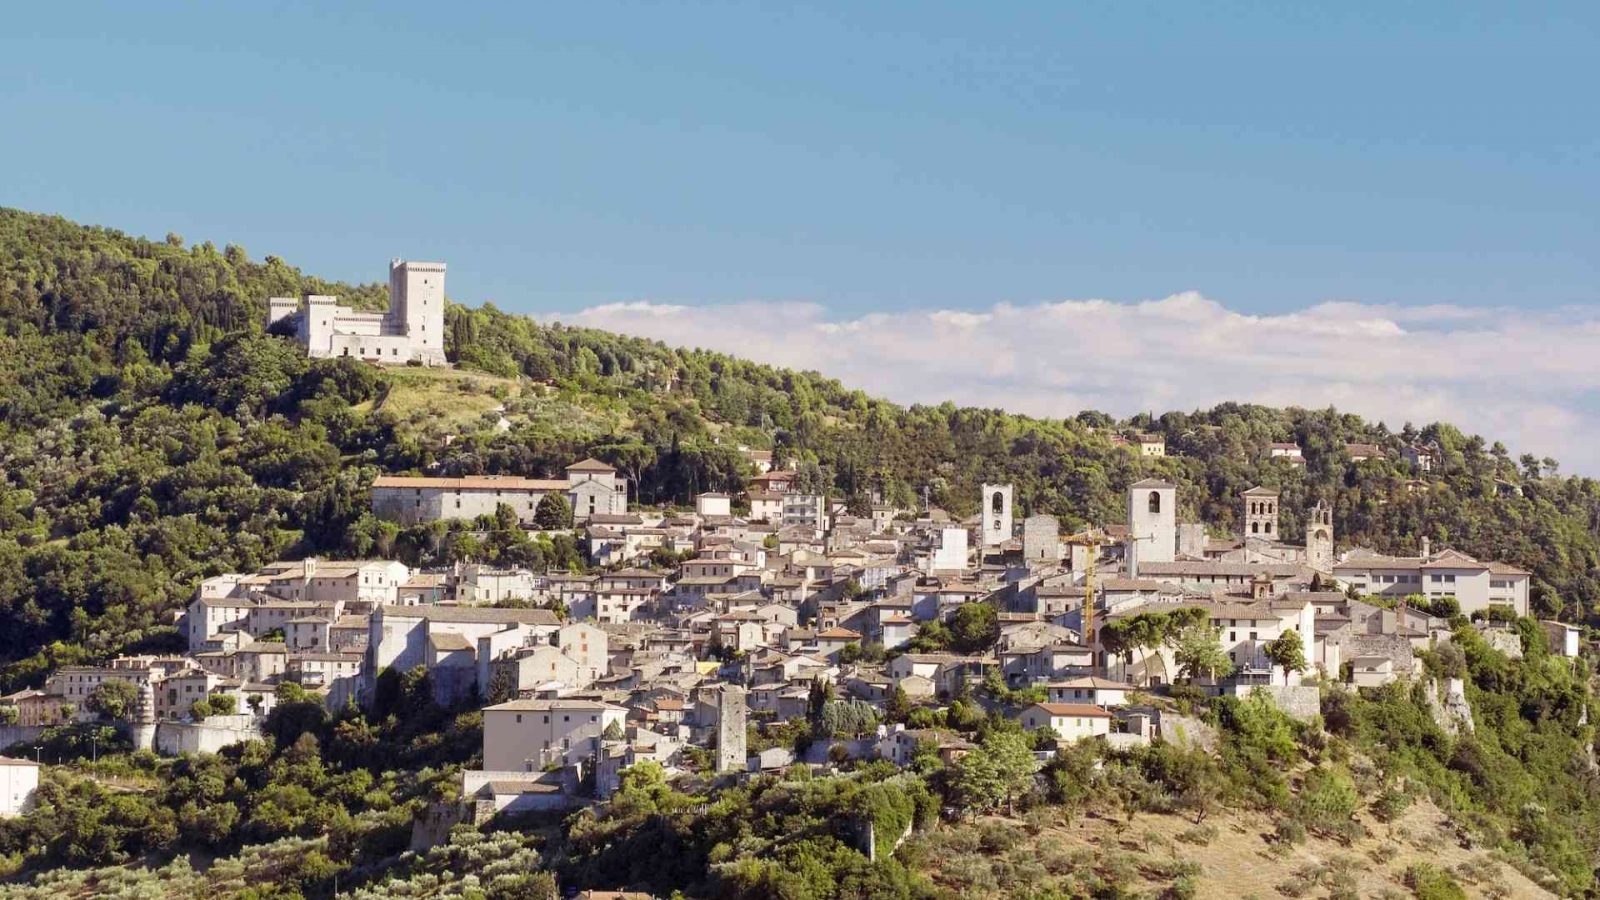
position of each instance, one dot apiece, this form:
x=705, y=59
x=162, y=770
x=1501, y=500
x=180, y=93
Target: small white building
x=1089, y=689
x=19, y=778
x=1069, y=721
x=713, y=504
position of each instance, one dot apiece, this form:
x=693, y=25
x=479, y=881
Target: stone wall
x=1302, y=702
x=216, y=732
x=19, y=734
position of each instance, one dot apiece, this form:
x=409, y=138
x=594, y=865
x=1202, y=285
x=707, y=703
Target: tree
x=1198, y=651
x=898, y=707
x=974, y=627
x=1287, y=652
x=994, y=774
x=113, y=700
x=553, y=512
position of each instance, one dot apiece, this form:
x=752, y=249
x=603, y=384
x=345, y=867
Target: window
x=1155, y=502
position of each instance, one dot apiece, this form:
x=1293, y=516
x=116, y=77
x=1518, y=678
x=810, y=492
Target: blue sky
x=1388, y=207
x=889, y=158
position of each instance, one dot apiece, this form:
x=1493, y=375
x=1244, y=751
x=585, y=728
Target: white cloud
x=1529, y=379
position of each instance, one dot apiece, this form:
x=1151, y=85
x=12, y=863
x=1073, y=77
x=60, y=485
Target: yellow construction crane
x=1093, y=540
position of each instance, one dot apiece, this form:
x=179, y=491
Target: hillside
x=152, y=435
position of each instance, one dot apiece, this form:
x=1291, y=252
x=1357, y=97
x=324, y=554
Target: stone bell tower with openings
x=995, y=514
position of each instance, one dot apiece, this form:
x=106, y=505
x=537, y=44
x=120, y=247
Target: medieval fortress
x=412, y=329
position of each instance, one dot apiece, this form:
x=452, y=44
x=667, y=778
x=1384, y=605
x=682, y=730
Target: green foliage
x=1327, y=804
x=1287, y=652
x=1513, y=775
x=1197, y=649
x=112, y=700
x=1429, y=882
x=974, y=627
x=995, y=774
x=553, y=513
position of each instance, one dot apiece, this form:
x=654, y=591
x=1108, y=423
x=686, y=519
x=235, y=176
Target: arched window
x=999, y=503
x=1155, y=501
x=1269, y=528
x=1255, y=527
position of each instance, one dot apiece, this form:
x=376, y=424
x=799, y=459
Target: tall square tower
x=416, y=307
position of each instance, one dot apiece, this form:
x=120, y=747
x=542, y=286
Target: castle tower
x=1153, y=520
x=1319, y=538
x=996, y=514
x=1260, y=514
x=416, y=307
x=731, y=716
x=1041, y=539
x=142, y=720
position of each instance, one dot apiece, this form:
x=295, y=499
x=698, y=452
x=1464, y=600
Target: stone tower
x=1260, y=514
x=416, y=307
x=996, y=514
x=1153, y=520
x=731, y=715
x=1041, y=539
x=1319, y=537
x=142, y=720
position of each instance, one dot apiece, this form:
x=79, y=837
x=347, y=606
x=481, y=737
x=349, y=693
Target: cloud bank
x=1528, y=379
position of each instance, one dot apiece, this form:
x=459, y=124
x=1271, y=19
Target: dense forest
x=151, y=434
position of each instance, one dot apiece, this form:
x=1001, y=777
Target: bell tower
x=995, y=514
x=1319, y=537
x=1260, y=514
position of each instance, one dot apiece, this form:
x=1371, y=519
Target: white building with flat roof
x=527, y=735
x=19, y=778
x=1476, y=586
x=411, y=330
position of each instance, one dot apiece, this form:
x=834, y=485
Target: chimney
x=1261, y=586
x=311, y=567
x=1427, y=548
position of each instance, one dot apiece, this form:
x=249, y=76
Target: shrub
x=1429, y=882
x=1290, y=832
x=1199, y=836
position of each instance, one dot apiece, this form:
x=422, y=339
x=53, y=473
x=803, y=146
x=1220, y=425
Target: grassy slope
x=1239, y=862
x=435, y=402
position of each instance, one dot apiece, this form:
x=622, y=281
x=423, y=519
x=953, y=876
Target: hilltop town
x=400, y=595
x=683, y=627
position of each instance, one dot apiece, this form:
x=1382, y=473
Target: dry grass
x=444, y=401
x=998, y=856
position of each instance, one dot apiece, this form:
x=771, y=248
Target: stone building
x=731, y=716
x=591, y=487
x=412, y=330
x=1041, y=539
x=995, y=514
x=1153, y=520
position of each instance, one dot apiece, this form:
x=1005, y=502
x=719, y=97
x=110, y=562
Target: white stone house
x=19, y=779
x=527, y=735
x=1069, y=721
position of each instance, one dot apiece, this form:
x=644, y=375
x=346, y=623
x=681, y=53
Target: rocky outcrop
x=1450, y=708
